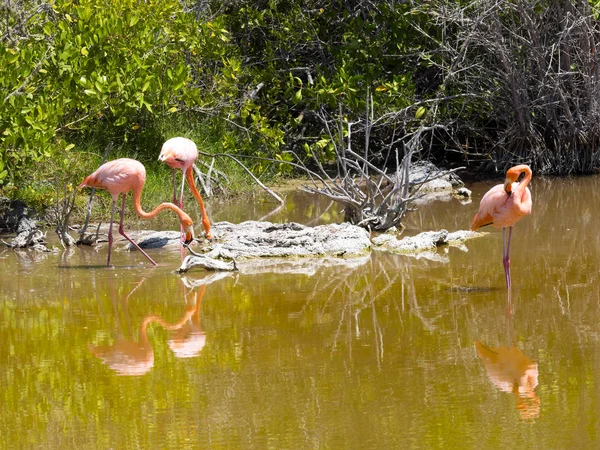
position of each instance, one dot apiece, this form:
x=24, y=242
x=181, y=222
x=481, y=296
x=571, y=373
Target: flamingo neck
x=137, y=194
x=189, y=174
x=523, y=184
x=166, y=325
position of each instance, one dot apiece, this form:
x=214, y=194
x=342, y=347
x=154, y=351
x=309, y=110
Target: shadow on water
x=103, y=266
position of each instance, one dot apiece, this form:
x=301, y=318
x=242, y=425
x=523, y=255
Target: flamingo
x=121, y=176
x=503, y=205
x=181, y=153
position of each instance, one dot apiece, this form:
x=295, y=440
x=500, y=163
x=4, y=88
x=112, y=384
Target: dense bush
x=506, y=82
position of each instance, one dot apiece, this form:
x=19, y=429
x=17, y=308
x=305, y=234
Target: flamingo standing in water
x=503, y=205
x=121, y=176
x=181, y=153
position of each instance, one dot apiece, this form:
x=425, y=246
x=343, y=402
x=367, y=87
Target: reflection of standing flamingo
x=121, y=176
x=502, y=206
x=181, y=153
x=134, y=358
x=511, y=371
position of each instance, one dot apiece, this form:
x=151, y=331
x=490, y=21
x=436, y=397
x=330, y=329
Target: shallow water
x=381, y=353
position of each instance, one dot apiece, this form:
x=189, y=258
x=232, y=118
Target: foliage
x=499, y=82
x=81, y=66
x=248, y=71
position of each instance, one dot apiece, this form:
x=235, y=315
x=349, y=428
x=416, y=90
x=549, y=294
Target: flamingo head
x=188, y=229
x=513, y=174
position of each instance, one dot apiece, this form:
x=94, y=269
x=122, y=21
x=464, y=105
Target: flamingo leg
x=181, y=193
x=122, y=233
x=506, y=262
x=110, y=228
x=174, y=186
x=180, y=204
x=506, y=254
x=182, y=234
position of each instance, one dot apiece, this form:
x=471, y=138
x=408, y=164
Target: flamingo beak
x=508, y=186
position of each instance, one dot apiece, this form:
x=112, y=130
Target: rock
x=426, y=241
x=28, y=235
x=11, y=213
x=14, y=217
x=253, y=266
x=254, y=239
x=462, y=192
x=151, y=239
x=265, y=246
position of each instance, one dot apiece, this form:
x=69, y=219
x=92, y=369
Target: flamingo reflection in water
x=129, y=357
x=188, y=339
x=512, y=372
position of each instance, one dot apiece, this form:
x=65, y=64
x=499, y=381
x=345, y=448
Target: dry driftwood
x=207, y=261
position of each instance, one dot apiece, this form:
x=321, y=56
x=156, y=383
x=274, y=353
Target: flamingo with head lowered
x=503, y=205
x=181, y=153
x=121, y=176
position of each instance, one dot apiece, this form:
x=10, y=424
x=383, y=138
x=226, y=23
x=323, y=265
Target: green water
x=379, y=353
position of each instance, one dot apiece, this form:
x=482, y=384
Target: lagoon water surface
x=386, y=351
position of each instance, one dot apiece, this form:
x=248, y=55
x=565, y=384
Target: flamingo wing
x=490, y=207
x=117, y=176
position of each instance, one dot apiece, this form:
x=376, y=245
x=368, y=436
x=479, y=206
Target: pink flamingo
x=503, y=205
x=181, y=153
x=121, y=176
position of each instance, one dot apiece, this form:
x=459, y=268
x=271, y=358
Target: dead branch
x=528, y=72
x=92, y=239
